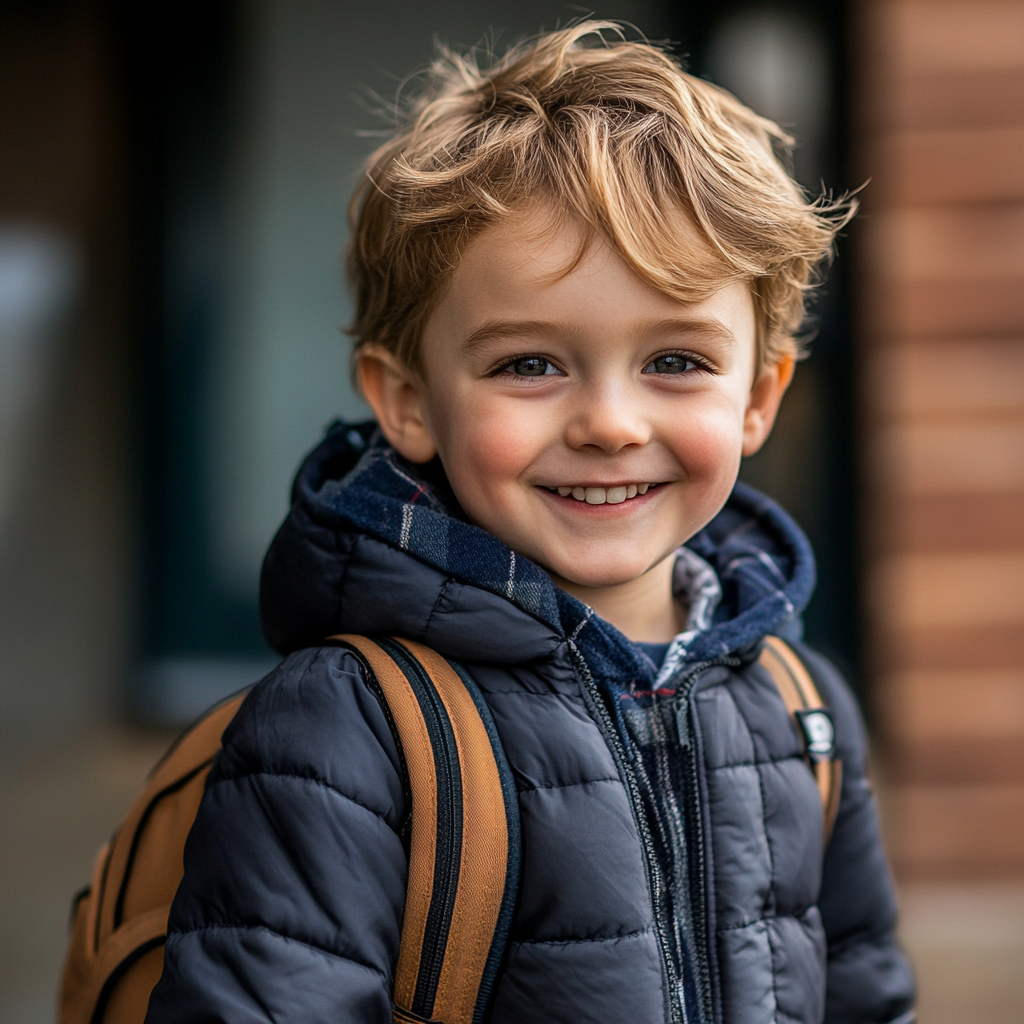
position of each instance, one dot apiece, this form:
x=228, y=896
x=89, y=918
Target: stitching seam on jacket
x=797, y=915
x=442, y=590
x=565, y=785
x=851, y=944
x=564, y=694
x=771, y=892
x=757, y=764
x=579, y=942
x=301, y=778
x=277, y=935
x=336, y=535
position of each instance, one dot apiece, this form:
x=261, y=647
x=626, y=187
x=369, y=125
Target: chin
x=600, y=575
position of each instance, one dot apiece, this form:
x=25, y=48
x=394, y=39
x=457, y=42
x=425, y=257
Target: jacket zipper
x=695, y=836
x=677, y=1013
x=698, y=880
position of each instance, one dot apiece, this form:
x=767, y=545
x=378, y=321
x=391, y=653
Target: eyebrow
x=494, y=329
x=708, y=327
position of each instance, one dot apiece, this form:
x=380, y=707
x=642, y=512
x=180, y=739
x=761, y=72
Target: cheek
x=484, y=444
x=708, y=445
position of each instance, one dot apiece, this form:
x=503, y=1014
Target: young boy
x=579, y=276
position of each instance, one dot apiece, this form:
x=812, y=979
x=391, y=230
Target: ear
x=395, y=393
x=763, y=403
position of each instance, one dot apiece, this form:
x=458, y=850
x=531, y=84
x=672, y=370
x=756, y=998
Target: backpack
x=465, y=816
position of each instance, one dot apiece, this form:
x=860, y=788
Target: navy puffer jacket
x=672, y=865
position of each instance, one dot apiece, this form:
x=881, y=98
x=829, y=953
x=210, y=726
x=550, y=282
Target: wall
x=942, y=378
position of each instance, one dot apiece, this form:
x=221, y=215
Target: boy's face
x=589, y=421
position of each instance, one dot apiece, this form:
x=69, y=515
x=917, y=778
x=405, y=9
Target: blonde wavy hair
x=611, y=133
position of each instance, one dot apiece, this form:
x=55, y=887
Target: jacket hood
x=374, y=544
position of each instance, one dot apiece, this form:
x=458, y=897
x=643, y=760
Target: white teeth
x=603, y=495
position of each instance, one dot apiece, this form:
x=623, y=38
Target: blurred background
x=173, y=186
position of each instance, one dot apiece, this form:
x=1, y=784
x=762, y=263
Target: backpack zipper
x=447, y=856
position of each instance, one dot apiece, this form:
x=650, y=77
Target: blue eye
x=532, y=366
x=671, y=363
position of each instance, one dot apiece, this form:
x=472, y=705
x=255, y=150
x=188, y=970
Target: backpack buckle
x=819, y=733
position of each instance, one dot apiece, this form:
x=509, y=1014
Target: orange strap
x=108, y=942
x=800, y=695
x=438, y=978
x=193, y=751
x=417, y=749
x=127, y=943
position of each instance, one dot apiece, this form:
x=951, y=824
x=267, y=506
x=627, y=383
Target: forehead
x=538, y=240
x=540, y=268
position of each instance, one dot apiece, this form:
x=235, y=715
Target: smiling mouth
x=602, y=495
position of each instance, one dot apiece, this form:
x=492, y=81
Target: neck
x=643, y=609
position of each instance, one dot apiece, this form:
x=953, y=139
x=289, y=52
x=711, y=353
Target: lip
x=595, y=483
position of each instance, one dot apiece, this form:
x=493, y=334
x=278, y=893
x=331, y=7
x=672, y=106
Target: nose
x=607, y=417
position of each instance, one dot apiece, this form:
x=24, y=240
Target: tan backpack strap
x=464, y=850
x=812, y=719
x=123, y=914
x=193, y=753
x=99, y=872
x=135, y=937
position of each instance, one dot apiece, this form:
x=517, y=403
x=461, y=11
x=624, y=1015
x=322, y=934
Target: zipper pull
x=683, y=722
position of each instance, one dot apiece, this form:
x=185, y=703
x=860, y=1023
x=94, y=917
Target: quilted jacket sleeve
x=869, y=980
x=295, y=870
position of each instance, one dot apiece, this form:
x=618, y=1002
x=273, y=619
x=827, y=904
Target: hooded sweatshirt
x=672, y=839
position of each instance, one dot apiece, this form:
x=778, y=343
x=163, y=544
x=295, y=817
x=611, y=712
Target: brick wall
x=941, y=133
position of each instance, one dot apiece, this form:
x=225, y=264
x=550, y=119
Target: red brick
x=948, y=522
x=942, y=831
x=954, y=589
x=953, y=36
x=960, y=244
x=935, y=705
x=943, y=99
x=965, y=165
x=947, y=456
x=990, y=646
x=908, y=309
x=931, y=377
x=955, y=760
